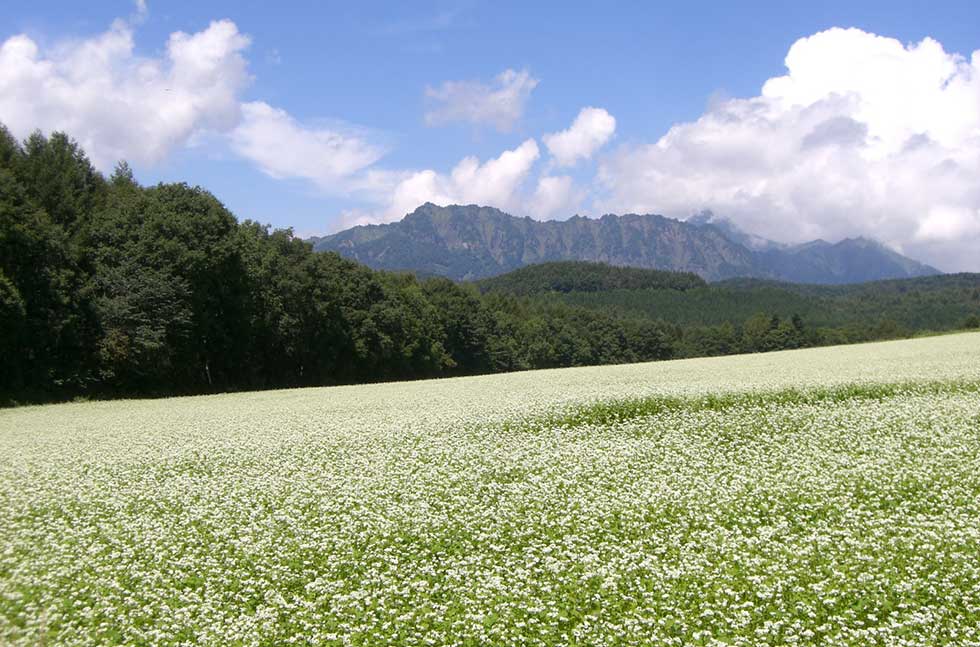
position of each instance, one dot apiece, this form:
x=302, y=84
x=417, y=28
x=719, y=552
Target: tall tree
x=59, y=178
x=42, y=275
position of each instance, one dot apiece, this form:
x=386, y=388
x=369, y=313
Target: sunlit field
x=815, y=497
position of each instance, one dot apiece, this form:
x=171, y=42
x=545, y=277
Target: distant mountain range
x=473, y=242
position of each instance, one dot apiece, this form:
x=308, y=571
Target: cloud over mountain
x=497, y=181
x=591, y=129
x=862, y=136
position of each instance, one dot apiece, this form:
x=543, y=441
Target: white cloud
x=862, y=136
x=120, y=105
x=944, y=223
x=591, y=129
x=500, y=104
x=496, y=182
x=555, y=195
x=284, y=148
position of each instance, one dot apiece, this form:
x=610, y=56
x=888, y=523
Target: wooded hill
x=109, y=288
x=940, y=302
x=747, y=315
x=580, y=276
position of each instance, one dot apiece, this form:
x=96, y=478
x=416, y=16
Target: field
x=817, y=497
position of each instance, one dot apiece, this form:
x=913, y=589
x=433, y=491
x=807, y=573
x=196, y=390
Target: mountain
x=732, y=232
x=852, y=260
x=473, y=242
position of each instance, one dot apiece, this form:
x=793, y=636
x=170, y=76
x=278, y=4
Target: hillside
x=473, y=242
x=926, y=303
x=583, y=276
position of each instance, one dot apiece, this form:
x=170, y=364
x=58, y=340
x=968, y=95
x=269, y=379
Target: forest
x=109, y=288
x=751, y=315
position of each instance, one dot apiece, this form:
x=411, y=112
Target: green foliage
x=13, y=314
x=44, y=290
x=107, y=287
x=582, y=276
x=940, y=302
x=110, y=288
x=618, y=411
x=144, y=316
x=748, y=315
x=59, y=178
x=467, y=324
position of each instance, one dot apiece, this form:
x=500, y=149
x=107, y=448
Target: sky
x=795, y=120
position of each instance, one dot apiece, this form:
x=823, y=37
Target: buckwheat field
x=816, y=497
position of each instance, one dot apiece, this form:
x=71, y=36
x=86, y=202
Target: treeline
x=840, y=313
x=583, y=276
x=110, y=288
x=763, y=332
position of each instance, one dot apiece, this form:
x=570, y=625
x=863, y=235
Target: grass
x=617, y=411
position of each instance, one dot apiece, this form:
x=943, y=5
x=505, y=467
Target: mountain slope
x=852, y=260
x=473, y=242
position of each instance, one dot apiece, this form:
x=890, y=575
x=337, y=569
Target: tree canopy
x=109, y=288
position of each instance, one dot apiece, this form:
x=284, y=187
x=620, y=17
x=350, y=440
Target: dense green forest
x=924, y=303
x=750, y=315
x=582, y=276
x=109, y=288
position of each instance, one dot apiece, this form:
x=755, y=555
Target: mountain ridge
x=470, y=242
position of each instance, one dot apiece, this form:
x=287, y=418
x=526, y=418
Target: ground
x=822, y=496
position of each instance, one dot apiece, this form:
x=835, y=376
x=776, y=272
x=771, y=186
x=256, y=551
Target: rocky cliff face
x=472, y=242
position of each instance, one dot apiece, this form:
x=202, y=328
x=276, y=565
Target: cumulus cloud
x=591, y=129
x=500, y=103
x=284, y=148
x=495, y=182
x=555, y=195
x=120, y=105
x=944, y=223
x=862, y=136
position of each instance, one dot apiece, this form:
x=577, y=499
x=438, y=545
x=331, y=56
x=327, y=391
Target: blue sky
x=370, y=81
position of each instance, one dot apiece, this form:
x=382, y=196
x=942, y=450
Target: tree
x=187, y=230
x=13, y=317
x=465, y=322
x=648, y=340
x=755, y=331
x=144, y=315
x=783, y=336
x=42, y=275
x=59, y=178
